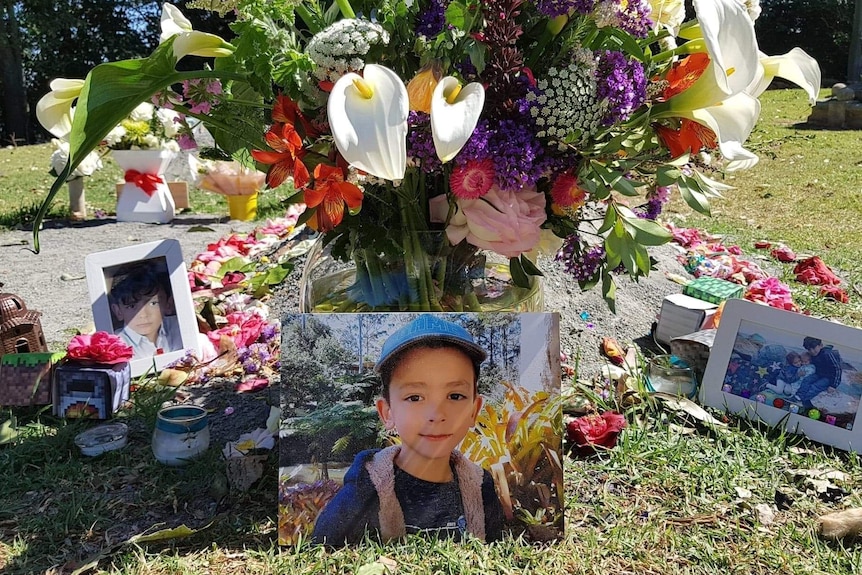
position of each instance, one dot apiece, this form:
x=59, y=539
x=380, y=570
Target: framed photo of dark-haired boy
x=141, y=293
x=431, y=424
x=790, y=370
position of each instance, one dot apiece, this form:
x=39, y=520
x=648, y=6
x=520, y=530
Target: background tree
x=44, y=39
x=820, y=27
x=854, y=64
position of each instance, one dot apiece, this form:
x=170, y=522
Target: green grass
x=673, y=497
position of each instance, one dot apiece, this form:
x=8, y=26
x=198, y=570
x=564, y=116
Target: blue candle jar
x=182, y=433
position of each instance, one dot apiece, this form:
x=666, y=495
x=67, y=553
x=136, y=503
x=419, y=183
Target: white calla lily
x=188, y=41
x=368, y=118
x=668, y=14
x=795, y=66
x=729, y=40
x=54, y=109
x=732, y=121
x=455, y=111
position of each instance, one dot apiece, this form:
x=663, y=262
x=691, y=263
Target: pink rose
x=100, y=347
x=503, y=221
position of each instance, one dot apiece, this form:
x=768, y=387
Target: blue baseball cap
x=428, y=327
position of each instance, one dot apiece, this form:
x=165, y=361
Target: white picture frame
x=101, y=268
x=742, y=366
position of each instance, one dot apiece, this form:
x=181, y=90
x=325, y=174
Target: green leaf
x=519, y=276
x=693, y=196
x=529, y=267
x=641, y=259
x=610, y=219
x=456, y=15
x=644, y=232
x=615, y=245
x=235, y=264
x=667, y=175
x=609, y=291
x=477, y=53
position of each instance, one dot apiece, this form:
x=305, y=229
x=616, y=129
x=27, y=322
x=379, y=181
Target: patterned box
x=93, y=391
x=713, y=290
x=25, y=378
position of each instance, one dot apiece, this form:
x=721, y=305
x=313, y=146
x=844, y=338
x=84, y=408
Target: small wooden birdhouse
x=20, y=328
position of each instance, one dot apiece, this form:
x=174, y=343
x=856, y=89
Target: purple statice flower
x=580, y=260
x=476, y=147
x=518, y=155
x=583, y=6
x=466, y=68
x=420, y=143
x=650, y=210
x=430, y=21
x=621, y=83
x=554, y=8
x=633, y=16
x=269, y=332
x=250, y=366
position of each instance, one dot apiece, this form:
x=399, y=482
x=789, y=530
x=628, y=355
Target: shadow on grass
x=59, y=508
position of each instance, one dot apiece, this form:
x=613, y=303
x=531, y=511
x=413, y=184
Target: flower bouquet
x=489, y=124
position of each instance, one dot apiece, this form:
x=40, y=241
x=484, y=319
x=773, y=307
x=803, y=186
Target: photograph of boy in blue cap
x=430, y=370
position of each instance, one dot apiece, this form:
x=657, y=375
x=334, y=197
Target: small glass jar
x=182, y=433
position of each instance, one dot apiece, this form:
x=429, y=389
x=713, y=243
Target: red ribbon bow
x=147, y=182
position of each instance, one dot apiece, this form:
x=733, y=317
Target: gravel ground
x=53, y=282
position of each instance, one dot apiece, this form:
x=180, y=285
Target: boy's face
x=143, y=316
x=815, y=350
x=797, y=361
x=432, y=404
x=805, y=359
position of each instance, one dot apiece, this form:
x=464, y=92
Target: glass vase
x=431, y=276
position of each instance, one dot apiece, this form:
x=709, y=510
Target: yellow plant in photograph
x=519, y=442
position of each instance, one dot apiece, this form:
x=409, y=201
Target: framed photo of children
x=142, y=294
x=788, y=369
x=393, y=424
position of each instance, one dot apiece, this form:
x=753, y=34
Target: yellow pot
x=242, y=207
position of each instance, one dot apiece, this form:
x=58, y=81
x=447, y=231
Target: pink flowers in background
x=772, y=292
x=228, y=281
x=99, y=347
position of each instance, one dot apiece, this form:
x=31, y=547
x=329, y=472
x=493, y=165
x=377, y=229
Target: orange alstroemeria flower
x=286, y=160
x=286, y=111
x=690, y=138
x=329, y=194
x=684, y=73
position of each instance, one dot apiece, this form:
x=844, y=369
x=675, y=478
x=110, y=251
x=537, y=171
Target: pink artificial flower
x=588, y=432
x=473, y=179
x=100, y=347
x=686, y=237
x=783, y=254
x=772, y=292
x=243, y=328
x=503, y=221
